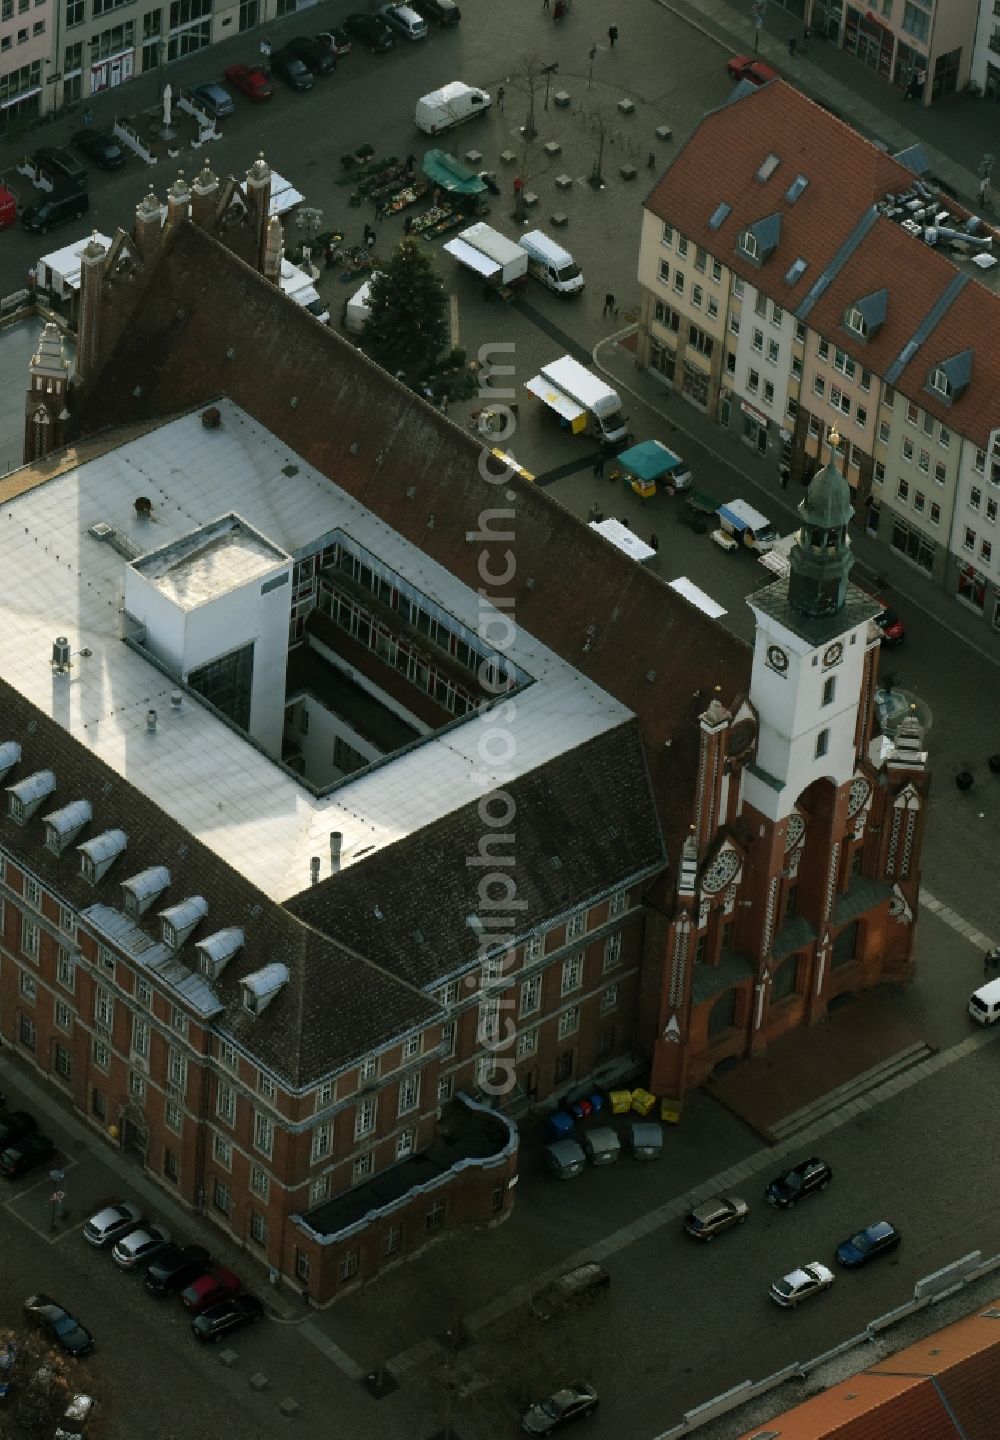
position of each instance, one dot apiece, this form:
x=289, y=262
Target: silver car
x=799, y=1285
x=406, y=21
x=140, y=1245
x=213, y=98
x=112, y=1223
x=708, y=1220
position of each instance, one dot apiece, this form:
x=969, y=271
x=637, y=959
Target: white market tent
x=624, y=538
x=698, y=597
x=284, y=195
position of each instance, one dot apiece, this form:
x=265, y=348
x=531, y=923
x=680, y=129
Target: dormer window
x=748, y=244
x=10, y=755
x=140, y=891
x=179, y=921
x=29, y=794
x=260, y=988
x=854, y=320
x=939, y=381
x=63, y=826
x=216, y=951
x=98, y=855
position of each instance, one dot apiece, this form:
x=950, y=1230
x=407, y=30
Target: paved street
x=680, y=1323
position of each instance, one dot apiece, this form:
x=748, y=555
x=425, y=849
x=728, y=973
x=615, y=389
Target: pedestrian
x=791, y=45
x=518, y=187
x=329, y=254
x=500, y=95
x=806, y=34
x=545, y=4
x=444, y=403
x=559, y=11
x=88, y=116
x=654, y=541
x=609, y=305
x=612, y=35
x=411, y=161
x=408, y=225
x=370, y=242
x=32, y=278
x=599, y=464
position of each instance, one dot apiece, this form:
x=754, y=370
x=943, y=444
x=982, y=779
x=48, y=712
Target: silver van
x=565, y=1159
x=984, y=1003
x=647, y=1140
x=602, y=1145
x=551, y=264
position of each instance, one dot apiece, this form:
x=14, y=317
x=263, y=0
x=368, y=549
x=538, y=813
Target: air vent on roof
x=719, y=215
x=289, y=470
x=98, y=855
x=260, y=988
x=216, y=951
x=28, y=794
x=418, y=938
x=795, y=272
x=101, y=531
x=178, y=921
x=768, y=168
x=993, y=1313
x=256, y=912
x=650, y=675
x=139, y=891
x=10, y=754
x=796, y=188
x=63, y=826
x=556, y=862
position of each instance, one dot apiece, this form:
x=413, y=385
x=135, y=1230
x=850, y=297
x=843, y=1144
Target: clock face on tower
x=720, y=872
x=777, y=659
x=833, y=653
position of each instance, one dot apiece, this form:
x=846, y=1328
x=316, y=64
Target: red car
x=210, y=1289
x=745, y=67
x=892, y=628
x=251, y=80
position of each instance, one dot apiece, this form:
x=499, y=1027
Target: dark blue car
x=876, y=1239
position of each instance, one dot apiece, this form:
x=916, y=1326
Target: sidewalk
x=897, y=581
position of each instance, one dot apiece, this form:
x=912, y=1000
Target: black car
x=66, y=1331
x=802, y=1179
x=291, y=70
x=879, y=1238
x=441, y=12
x=100, y=147
x=14, y=1124
x=61, y=166
x=316, y=56
x=228, y=1315
x=175, y=1267
x=24, y=1154
x=371, y=30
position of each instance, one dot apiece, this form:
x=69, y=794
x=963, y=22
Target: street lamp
x=548, y=71
x=58, y=1196
x=757, y=11
x=593, y=57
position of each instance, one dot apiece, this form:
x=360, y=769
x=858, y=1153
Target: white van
x=451, y=105
x=984, y=1003
x=551, y=264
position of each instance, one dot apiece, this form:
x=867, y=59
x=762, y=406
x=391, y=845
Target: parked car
x=315, y=56
x=745, y=67
x=101, y=147
x=370, y=30
x=140, y=1245
x=587, y=1279
x=890, y=626
x=799, y=1285
x=251, y=81
x=336, y=40
x=24, y=1154
x=710, y=1219
x=75, y=1417
x=63, y=1328
x=573, y=1402
x=877, y=1239
x=210, y=1289
x=63, y=205
x=405, y=21
x=175, y=1267
x=112, y=1223
x=228, y=1315
x=214, y=98
x=61, y=166
x=14, y=1124
x=442, y=12
x=291, y=70
x=802, y=1179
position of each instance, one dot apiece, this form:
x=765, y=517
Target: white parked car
x=406, y=21
x=112, y=1223
x=798, y=1285
x=140, y=1245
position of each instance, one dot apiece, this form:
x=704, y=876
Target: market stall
x=651, y=462
x=458, y=193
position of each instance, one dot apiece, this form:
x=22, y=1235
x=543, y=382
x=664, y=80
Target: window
x=814, y=426
x=878, y=474
x=413, y=1044
x=362, y=1168
x=855, y=320
x=757, y=343
x=265, y=1086
x=940, y=472
x=179, y=1021
x=609, y=998
x=777, y=314
x=822, y=743
x=612, y=951
x=819, y=385
x=912, y=413
x=985, y=550
x=913, y=544
x=228, y=1056
x=177, y=1066
x=939, y=381
x=368, y=1069
x=527, y=1042
x=63, y=1063
x=667, y=235
x=221, y=1198
x=907, y=448
x=435, y=1215
x=102, y=1056
x=903, y=490
x=884, y=431
x=935, y=514
x=944, y=438
x=488, y=1027
x=29, y=938
x=829, y=689
x=844, y=364
x=768, y=392
x=104, y=1008
x=301, y=1265
x=753, y=381
x=140, y=1038
x=258, y=1228
x=800, y=333
x=697, y=296
x=173, y=1116
x=760, y=305
x=263, y=1133
x=716, y=270
x=449, y=1034
x=326, y=1094
x=404, y=1144
x=569, y=1022
x=322, y=1142
x=63, y=1014
x=143, y=993
x=861, y=415
x=980, y=464
x=364, y=1118
x=969, y=539
x=409, y=1094
x=919, y=502
x=991, y=511
x=29, y=988
x=393, y=1241
x=773, y=352
x=222, y=1151
x=700, y=260
x=682, y=246
x=225, y=1102
x=713, y=307
x=446, y=1086
x=664, y=273
x=734, y=323
x=533, y=949
x=975, y=498
x=33, y=892
x=572, y=974
x=260, y=1182
x=319, y=1190
x=888, y=396
x=738, y=287
x=678, y=282
x=924, y=461
x=823, y=350
x=531, y=994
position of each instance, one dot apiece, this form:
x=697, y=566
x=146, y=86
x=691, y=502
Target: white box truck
x=747, y=526
x=298, y=286
x=551, y=264
x=453, y=104
x=582, y=402
x=498, y=260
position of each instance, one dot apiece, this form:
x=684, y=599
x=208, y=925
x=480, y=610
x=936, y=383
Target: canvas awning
x=475, y=259
x=555, y=399
x=648, y=460
x=448, y=172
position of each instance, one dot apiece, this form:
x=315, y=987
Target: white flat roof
x=624, y=538
x=212, y=561
x=56, y=579
x=698, y=597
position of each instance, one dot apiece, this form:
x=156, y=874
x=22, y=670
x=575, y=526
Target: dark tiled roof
x=711, y=980
x=862, y=894
x=795, y=934
x=336, y=1005
x=409, y=903
x=613, y=620
x=816, y=629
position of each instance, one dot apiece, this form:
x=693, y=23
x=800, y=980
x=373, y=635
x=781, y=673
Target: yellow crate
x=621, y=1101
x=670, y=1110
x=642, y=1101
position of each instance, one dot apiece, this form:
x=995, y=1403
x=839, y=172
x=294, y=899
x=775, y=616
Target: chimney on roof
x=176, y=701
x=336, y=842
x=148, y=225
x=88, y=330
x=143, y=506
x=178, y=200
x=151, y=722
x=314, y=870
x=204, y=197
